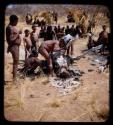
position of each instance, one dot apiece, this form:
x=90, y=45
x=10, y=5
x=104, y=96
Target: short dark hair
x=26, y=31
x=13, y=18
x=104, y=26
x=34, y=53
x=62, y=41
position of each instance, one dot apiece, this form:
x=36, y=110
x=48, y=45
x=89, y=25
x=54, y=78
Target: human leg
x=15, y=56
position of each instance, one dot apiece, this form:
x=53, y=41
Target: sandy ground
x=38, y=100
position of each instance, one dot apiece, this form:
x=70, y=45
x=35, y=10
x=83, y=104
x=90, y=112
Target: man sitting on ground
x=103, y=39
x=32, y=62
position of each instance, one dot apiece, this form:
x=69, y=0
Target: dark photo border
x=3, y=5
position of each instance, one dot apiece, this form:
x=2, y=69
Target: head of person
x=27, y=32
x=72, y=26
x=67, y=27
x=13, y=20
x=58, y=26
x=49, y=28
x=61, y=43
x=70, y=13
x=104, y=27
x=34, y=53
x=34, y=27
x=55, y=27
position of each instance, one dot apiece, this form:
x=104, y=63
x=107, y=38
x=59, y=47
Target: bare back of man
x=103, y=39
x=48, y=47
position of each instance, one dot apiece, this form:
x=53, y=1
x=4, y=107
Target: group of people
x=31, y=43
x=29, y=19
x=58, y=32
x=103, y=39
x=55, y=39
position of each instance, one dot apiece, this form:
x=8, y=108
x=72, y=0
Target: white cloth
x=62, y=61
x=67, y=38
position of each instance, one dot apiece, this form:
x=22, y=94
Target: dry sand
x=38, y=100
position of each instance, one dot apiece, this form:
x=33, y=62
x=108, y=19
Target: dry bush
x=101, y=111
x=47, y=16
x=77, y=14
x=76, y=95
x=54, y=102
x=78, y=117
x=93, y=99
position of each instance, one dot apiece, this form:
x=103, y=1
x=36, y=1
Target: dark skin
x=32, y=63
x=103, y=38
x=14, y=41
x=27, y=44
x=60, y=33
x=34, y=38
x=48, y=47
x=68, y=49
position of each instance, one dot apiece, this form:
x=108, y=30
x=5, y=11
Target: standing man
x=14, y=41
x=67, y=30
x=50, y=34
x=72, y=31
x=34, y=37
x=68, y=41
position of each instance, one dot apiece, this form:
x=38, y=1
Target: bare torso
x=12, y=35
x=27, y=41
x=50, y=45
x=103, y=36
x=34, y=37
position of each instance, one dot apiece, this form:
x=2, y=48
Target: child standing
x=27, y=43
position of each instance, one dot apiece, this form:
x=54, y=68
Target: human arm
x=14, y=34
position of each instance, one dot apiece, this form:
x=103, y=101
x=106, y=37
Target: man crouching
x=31, y=63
